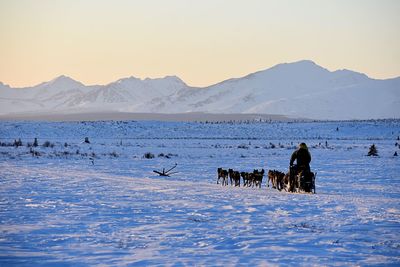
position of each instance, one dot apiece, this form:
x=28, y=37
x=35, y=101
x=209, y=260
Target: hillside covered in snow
x=300, y=90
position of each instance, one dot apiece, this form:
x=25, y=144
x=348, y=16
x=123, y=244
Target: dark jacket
x=303, y=157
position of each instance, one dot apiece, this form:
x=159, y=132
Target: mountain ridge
x=299, y=89
x=307, y=61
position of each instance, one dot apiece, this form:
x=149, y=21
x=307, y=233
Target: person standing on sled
x=303, y=158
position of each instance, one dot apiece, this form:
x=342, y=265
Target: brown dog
x=222, y=174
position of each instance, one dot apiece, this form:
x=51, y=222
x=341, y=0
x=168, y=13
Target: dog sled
x=303, y=182
x=295, y=181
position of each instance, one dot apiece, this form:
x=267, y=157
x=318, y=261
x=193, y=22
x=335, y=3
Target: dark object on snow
x=395, y=154
x=48, y=144
x=251, y=179
x=35, y=142
x=294, y=181
x=302, y=157
x=373, y=151
x=34, y=153
x=276, y=178
x=18, y=142
x=166, y=173
x=245, y=176
x=257, y=177
x=222, y=174
x=301, y=181
x=234, y=176
x=87, y=140
x=148, y=155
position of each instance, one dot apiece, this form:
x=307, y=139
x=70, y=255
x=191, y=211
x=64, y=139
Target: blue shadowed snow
x=101, y=204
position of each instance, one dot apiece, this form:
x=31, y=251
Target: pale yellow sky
x=202, y=42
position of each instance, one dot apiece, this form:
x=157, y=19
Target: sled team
x=298, y=179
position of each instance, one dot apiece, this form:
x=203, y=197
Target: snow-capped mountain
x=299, y=89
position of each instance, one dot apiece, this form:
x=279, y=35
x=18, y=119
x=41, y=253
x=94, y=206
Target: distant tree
x=87, y=140
x=35, y=142
x=373, y=151
x=395, y=154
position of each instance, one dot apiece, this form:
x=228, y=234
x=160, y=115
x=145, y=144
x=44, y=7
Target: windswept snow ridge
x=79, y=204
x=300, y=89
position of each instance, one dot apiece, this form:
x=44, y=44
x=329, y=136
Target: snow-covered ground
x=79, y=204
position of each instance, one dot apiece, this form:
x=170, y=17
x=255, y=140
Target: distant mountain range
x=299, y=89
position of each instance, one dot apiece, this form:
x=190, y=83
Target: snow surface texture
x=301, y=90
x=100, y=204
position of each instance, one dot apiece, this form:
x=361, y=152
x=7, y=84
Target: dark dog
x=257, y=177
x=286, y=183
x=279, y=180
x=222, y=174
x=271, y=177
x=276, y=178
x=245, y=176
x=234, y=176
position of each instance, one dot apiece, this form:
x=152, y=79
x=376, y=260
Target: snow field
x=59, y=209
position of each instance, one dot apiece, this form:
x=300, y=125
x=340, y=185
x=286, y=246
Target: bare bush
x=48, y=144
x=148, y=155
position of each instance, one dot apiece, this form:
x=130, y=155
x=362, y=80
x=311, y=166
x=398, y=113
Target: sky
x=202, y=42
